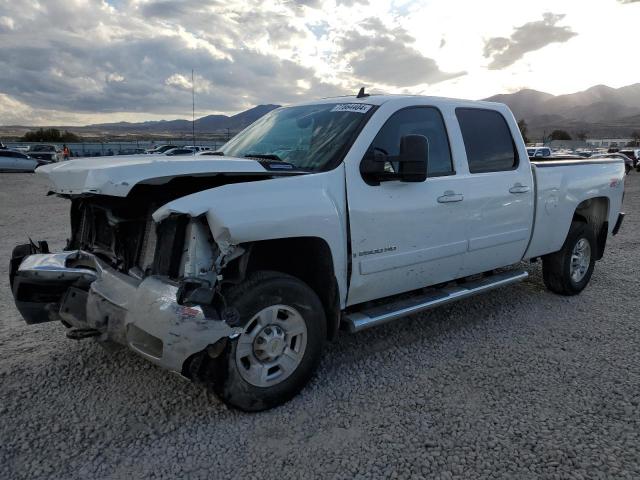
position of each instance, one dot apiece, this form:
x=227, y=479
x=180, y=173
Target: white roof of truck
x=406, y=100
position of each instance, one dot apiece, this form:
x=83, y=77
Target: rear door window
x=487, y=140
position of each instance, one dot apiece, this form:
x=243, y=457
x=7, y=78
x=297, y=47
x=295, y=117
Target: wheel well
x=306, y=258
x=595, y=212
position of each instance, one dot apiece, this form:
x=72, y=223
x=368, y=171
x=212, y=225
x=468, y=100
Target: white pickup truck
x=233, y=270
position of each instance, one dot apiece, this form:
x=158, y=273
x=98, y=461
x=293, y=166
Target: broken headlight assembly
x=184, y=251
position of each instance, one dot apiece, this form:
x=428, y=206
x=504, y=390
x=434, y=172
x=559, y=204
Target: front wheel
x=284, y=330
x=569, y=270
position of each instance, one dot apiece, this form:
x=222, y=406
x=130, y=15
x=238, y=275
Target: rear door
x=498, y=190
x=405, y=235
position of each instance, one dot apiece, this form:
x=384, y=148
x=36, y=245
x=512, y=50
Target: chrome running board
x=384, y=313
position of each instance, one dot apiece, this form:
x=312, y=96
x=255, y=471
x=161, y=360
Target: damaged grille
x=127, y=237
x=114, y=233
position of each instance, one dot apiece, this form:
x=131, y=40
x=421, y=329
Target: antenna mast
x=193, y=110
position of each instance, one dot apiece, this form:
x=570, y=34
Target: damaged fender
x=248, y=212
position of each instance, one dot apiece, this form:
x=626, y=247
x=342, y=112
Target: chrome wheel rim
x=580, y=260
x=272, y=346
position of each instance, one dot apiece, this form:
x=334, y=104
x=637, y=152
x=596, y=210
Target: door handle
x=450, y=196
x=519, y=188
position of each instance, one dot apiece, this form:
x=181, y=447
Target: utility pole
x=193, y=109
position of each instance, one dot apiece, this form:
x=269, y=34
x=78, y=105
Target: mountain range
x=207, y=124
x=597, y=111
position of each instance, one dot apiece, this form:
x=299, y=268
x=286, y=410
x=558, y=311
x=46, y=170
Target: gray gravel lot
x=518, y=383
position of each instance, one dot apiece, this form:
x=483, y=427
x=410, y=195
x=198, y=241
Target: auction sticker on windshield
x=352, y=107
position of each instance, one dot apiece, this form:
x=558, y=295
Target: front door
x=406, y=235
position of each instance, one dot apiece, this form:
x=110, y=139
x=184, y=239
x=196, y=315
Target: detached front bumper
x=78, y=289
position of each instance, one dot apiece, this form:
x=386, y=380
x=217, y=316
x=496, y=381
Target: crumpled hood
x=116, y=176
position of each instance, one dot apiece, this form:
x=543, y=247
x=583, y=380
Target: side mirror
x=413, y=158
x=409, y=166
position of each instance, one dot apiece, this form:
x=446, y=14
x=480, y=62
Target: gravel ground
x=518, y=383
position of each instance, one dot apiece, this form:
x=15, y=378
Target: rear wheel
x=284, y=330
x=569, y=270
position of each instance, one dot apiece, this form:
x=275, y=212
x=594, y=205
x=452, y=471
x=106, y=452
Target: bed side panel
x=560, y=189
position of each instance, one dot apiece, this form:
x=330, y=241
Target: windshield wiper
x=217, y=152
x=271, y=161
x=266, y=156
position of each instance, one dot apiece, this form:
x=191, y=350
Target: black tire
x=262, y=290
x=627, y=169
x=556, y=267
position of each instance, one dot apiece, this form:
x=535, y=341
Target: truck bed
x=561, y=186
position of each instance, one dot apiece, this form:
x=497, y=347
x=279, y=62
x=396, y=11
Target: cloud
x=138, y=57
x=13, y=111
x=526, y=38
x=628, y=1
x=351, y=3
x=114, y=78
x=114, y=59
x=379, y=54
x=6, y=24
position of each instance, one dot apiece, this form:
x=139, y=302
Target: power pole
x=193, y=110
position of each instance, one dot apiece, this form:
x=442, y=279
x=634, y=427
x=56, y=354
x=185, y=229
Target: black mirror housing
x=410, y=165
x=413, y=158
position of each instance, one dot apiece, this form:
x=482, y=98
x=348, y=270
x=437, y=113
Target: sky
x=75, y=62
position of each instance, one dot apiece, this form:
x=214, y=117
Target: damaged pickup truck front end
x=125, y=279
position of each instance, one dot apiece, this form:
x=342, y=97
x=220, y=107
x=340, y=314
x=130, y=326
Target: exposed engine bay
x=122, y=233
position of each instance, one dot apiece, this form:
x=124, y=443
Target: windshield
x=308, y=137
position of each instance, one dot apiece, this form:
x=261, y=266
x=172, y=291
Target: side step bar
x=380, y=314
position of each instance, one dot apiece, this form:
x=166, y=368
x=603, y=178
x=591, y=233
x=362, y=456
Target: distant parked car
x=180, y=151
x=637, y=156
x=131, y=151
x=538, y=152
x=49, y=153
x=628, y=163
x=13, y=161
x=161, y=148
x=633, y=155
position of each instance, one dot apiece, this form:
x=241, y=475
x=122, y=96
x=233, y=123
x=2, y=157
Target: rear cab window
x=487, y=140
